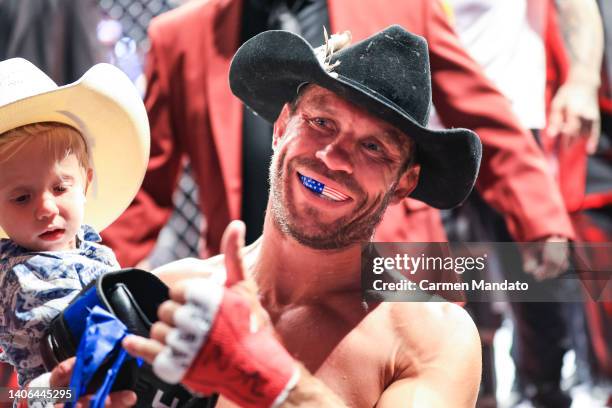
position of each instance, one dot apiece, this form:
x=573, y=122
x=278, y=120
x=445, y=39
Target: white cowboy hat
x=105, y=107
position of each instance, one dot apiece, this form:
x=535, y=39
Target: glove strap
x=102, y=337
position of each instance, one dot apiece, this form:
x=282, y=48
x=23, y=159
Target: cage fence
x=123, y=33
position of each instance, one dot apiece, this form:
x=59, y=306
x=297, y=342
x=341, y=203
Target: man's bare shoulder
x=437, y=347
x=432, y=315
x=434, y=331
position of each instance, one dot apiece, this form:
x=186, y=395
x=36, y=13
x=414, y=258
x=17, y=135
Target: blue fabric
x=111, y=375
x=102, y=337
x=36, y=286
x=74, y=315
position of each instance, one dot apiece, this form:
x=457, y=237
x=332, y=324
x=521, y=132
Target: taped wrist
x=217, y=347
x=42, y=381
x=193, y=322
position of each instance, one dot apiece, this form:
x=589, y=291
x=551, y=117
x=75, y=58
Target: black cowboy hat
x=387, y=74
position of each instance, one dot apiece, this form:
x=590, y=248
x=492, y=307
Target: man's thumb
x=231, y=245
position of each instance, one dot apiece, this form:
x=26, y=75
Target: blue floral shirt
x=35, y=287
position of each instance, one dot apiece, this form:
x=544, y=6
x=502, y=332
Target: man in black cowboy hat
x=349, y=138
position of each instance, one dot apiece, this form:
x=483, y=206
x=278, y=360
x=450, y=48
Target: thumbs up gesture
x=218, y=339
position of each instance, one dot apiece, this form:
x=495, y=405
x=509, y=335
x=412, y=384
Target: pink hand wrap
x=247, y=365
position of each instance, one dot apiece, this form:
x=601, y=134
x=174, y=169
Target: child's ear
x=89, y=177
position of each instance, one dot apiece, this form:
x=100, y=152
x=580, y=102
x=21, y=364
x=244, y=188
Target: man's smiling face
x=335, y=169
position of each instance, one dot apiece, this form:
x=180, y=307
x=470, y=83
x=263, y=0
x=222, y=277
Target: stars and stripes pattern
x=322, y=189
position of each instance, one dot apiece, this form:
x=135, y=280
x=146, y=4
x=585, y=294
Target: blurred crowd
x=532, y=77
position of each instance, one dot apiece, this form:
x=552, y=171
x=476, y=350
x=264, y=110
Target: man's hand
x=574, y=109
x=218, y=340
x=60, y=378
x=231, y=245
x=547, y=258
x=574, y=114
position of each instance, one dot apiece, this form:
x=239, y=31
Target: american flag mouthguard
x=321, y=189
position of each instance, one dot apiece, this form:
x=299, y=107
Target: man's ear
x=407, y=182
x=280, y=126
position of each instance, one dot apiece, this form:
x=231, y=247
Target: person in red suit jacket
x=589, y=179
x=193, y=113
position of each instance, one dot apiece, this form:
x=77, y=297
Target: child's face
x=42, y=200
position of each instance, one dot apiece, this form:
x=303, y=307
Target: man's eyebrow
x=393, y=137
x=321, y=102
x=389, y=135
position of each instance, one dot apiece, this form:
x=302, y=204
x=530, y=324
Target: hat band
x=379, y=97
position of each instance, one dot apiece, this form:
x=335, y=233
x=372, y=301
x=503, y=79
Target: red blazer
x=193, y=112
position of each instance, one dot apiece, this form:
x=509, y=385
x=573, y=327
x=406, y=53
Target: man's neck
x=289, y=273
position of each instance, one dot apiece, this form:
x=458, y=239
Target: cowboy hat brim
x=267, y=71
x=108, y=111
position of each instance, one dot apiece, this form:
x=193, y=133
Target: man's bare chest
x=343, y=350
